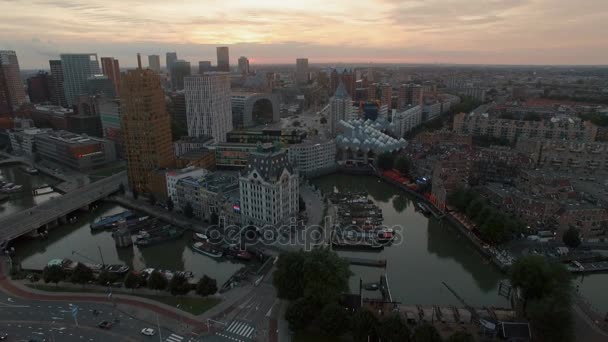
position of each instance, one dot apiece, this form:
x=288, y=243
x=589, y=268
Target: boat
x=106, y=222
x=207, y=249
x=235, y=252
x=96, y=268
x=118, y=269
x=11, y=188
x=200, y=237
x=385, y=235
x=66, y=264
x=30, y=170
x=42, y=190
x=423, y=208
x=152, y=237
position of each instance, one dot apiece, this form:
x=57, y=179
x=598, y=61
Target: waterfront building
x=154, y=62
x=76, y=69
x=204, y=66
x=180, y=69
x=39, y=87
x=146, y=129
x=244, y=65
x=313, y=157
x=340, y=108
x=208, y=105
x=213, y=193
x=407, y=120
x=234, y=155
x=57, y=91
x=480, y=123
x=24, y=140
x=12, y=94
x=251, y=109
x=170, y=58
x=223, y=59
x=302, y=72
x=111, y=68
x=173, y=176
x=78, y=152
x=269, y=189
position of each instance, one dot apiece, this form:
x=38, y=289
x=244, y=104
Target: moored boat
x=207, y=249
x=106, y=222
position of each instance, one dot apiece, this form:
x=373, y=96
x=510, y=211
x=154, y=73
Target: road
x=24, y=319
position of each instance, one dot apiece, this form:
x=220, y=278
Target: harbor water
x=24, y=199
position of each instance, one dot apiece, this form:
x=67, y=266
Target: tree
x=364, y=326
x=132, y=281
x=121, y=188
x=152, y=199
x=188, y=211
x=403, y=164
x=426, y=333
x=302, y=203
x=531, y=274
x=206, y=286
x=106, y=277
x=170, y=204
x=323, y=120
x=461, y=336
x=53, y=274
x=135, y=193
x=157, y=281
x=572, y=237
x=551, y=316
x=300, y=313
x=475, y=207
x=394, y=329
x=81, y=274
x=334, y=319
x=385, y=161
x=179, y=285
x=288, y=278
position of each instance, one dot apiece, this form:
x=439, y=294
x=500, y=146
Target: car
x=105, y=325
x=3, y=336
x=148, y=331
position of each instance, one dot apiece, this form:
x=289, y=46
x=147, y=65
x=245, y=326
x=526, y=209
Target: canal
x=76, y=241
x=24, y=199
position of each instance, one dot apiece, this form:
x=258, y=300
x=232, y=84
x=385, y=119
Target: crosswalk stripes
x=174, y=338
x=240, y=328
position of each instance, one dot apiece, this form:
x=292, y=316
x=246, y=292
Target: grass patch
x=193, y=305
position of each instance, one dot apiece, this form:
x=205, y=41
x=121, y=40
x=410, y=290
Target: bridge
x=54, y=211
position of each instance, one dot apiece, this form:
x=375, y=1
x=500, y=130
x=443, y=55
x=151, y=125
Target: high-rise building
x=244, y=65
x=171, y=57
x=345, y=76
x=179, y=70
x=410, y=95
x=100, y=85
x=77, y=68
x=111, y=68
x=340, y=108
x=269, y=189
x=6, y=108
x=223, y=59
x=57, y=92
x=302, y=70
x=154, y=62
x=204, y=66
x=11, y=79
x=146, y=130
x=209, y=105
x=39, y=87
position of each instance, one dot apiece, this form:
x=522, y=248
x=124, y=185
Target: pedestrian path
x=238, y=331
x=174, y=338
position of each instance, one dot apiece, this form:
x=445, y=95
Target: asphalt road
x=25, y=319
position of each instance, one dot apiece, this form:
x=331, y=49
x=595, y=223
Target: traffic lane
x=25, y=330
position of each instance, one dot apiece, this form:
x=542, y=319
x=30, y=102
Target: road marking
x=174, y=338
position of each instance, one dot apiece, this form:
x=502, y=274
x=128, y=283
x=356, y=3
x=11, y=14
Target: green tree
x=400, y=203
x=53, y=274
x=131, y=281
x=364, y=326
x=493, y=229
x=188, y=211
x=426, y=333
x=551, y=316
x=81, y=274
x=475, y=207
x=300, y=313
x=106, y=277
x=325, y=276
x=135, y=193
x=385, y=161
x=572, y=237
x=536, y=277
x=394, y=329
x=206, y=286
x=403, y=164
x=334, y=320
x=179, y=285
x=461, y=336
x=157, y=281
x=288, y=278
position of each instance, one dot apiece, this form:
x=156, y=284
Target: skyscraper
x=57, y=92
x=209, y=105
x=39, y=87
x=302, y=70
x=11, y=78
x=244, y=65
x=223, y=59
x=340, y=108
x=179, y=70
x=111, y=68
x=77, y=68
x=204, y=66
x=146, y=130
x=154, y=62
x=170, y=59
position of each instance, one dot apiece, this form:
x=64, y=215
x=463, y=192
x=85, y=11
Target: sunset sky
x=278, y=31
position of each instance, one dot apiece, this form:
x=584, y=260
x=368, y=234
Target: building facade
x=180, y=69
x=79, y=152
x=10, y=82
x=173, y=176
x=251, y=109
x=302, y=72
x=244, y=65
x=340, y=108
x=170, y=58
x=313, y=158
x=209, y=105
x=111, y=68
x=76, y=69
x=223, y=59
x=57, y=92
x=269, y=190
x=407, y=120
x=154, y=62
x=39, y=87
x=204, y=66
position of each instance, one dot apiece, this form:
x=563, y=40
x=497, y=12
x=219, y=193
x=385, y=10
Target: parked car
x=105, y=325
x=3, y=336
x=148, y=331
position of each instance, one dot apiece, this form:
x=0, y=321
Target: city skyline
x=380, y=31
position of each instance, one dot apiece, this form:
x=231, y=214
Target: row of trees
x=546, y=288
x=493, y=225
x=178, y=285
x=387, y=161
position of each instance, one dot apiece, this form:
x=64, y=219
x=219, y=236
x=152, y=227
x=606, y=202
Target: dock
x=366, y=262
x=588, y=267
x=385, y=289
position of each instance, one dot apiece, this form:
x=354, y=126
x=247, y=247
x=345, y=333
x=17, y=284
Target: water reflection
x=24, y=199
x=401, y=202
